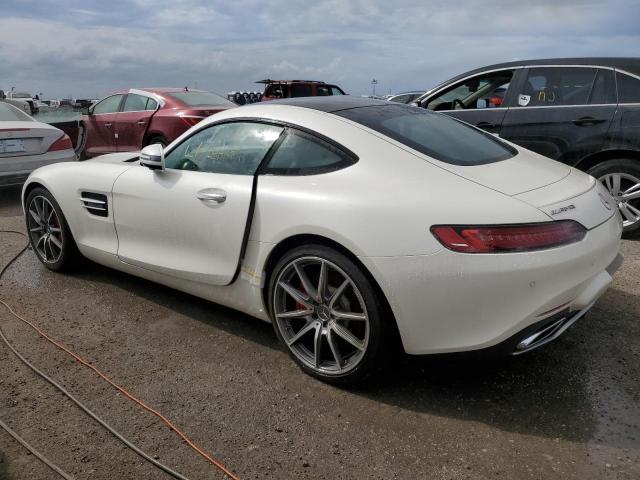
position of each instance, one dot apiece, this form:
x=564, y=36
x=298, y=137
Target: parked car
x=276, y=89
x=345, y=237
x=406, y=97
x=128, y=120
x=27, y=105
x=580, y=111
x=26, y=145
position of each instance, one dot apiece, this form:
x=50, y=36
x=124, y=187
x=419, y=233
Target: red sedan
x=128, y=120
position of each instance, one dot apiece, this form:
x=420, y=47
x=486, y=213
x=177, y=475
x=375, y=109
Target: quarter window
x=151, y=104
x=604, y=88
x=108, y=105
x=303, y=154
x=235, y=148
x=134, y=103
x=628, y=88
x=552, y=86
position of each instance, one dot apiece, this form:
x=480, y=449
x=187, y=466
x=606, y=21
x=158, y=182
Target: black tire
x=69, y=255
x=629, y=169
x=378, y=343
x=158, y=139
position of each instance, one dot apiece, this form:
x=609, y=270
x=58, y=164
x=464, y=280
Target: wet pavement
x=569, y=410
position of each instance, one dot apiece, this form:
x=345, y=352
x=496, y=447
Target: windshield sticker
x=523, y=100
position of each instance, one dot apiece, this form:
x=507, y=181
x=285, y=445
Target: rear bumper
x=15, y=170
x=451, y=302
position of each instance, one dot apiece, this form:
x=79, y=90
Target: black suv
x=581, y=111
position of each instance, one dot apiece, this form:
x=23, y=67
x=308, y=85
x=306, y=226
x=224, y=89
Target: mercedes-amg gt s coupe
x=349, y=223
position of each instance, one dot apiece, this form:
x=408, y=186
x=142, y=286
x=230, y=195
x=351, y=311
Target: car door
x=562, y=112
x=480, y=100
x=133, y=120
x=189, y=220
x=100, y=125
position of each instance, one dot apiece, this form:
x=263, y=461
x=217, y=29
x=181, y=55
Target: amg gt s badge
x=560, y=210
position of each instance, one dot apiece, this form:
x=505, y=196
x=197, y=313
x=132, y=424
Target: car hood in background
x=122, y=157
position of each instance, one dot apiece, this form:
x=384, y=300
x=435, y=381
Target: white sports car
x=348, y=223
x=26, y=144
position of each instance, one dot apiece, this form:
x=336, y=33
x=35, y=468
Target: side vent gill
x=95, y=203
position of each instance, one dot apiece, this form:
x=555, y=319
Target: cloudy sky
x=73, y=48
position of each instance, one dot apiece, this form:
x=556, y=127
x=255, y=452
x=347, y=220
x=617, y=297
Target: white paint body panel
x=380, y=209
x=37, y=137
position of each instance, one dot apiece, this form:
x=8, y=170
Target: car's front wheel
x=49, y=233
x=622, y=178
x=326, y=313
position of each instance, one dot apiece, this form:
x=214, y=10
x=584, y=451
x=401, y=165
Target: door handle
x=142, y=122
x=212, y=195
x=108, y=125
x=485, y=125
x=585, y=121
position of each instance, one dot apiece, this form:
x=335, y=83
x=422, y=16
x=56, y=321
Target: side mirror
x=2, y=95
x=152, y=156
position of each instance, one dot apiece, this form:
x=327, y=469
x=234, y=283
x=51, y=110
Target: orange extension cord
x=122, y=390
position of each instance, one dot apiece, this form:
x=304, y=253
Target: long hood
x=122, y=157
x=522, y=173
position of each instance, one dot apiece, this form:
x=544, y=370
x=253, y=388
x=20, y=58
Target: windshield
x=436, y=135
x=196, y=99
x=8, y=113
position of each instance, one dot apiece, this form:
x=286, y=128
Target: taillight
x=191, y=120
x=509, y=238
x=63, y=143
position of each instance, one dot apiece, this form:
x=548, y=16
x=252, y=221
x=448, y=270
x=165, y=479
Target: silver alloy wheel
x=45, y=229
x=321, y=315
x=625, y=189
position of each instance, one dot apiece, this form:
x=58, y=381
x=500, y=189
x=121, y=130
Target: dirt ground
x=570, y=410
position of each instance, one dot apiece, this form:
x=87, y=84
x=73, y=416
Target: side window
x=322, y=90
x=552, y=86
x=303, y=154
x=485, y=91
x=336, y=91
x=628, y=88
x=235, y=148
x=151, y=104
x=134, y=103
x=108, y=105
x=604, y=88
x=301, y=90
x=276, y=90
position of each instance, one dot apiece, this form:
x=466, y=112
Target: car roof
x=268, y=81
x=329, y=104
x=596, y=61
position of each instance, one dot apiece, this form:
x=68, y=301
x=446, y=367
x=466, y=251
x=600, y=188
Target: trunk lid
x=26, y=138
x=577, y=197
x=526, y=171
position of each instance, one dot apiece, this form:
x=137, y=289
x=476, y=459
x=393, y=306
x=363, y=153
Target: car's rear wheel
x=49, y=232
x=622, y=178
x=326, y=313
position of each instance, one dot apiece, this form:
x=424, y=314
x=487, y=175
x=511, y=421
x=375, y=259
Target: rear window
x=432, y=134
x=8, y=113
x=197, y=99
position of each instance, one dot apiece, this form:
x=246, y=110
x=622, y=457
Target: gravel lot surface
x=568, y=411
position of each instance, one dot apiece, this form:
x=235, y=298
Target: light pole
x=374, y=82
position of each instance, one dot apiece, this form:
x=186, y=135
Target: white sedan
x=26, y=144
x=349, y=223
